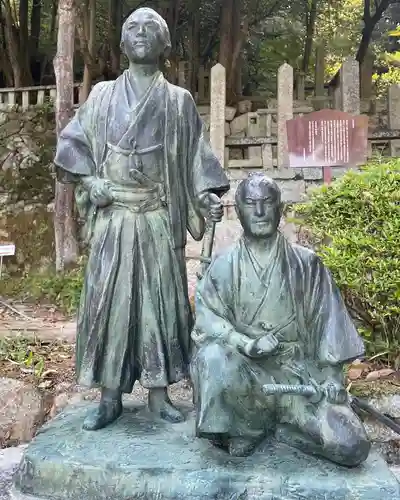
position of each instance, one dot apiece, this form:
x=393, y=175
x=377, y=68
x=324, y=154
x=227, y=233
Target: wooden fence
x=38, y=95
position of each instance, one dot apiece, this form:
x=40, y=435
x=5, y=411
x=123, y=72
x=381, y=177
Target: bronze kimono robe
x=134, y=317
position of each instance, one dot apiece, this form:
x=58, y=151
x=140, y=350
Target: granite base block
x=141, y=458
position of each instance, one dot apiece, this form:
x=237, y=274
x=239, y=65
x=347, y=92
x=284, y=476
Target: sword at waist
x=299, y=390
x=314, y=394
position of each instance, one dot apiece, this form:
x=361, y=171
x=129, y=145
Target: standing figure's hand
x=100, y=193
x=211, y=207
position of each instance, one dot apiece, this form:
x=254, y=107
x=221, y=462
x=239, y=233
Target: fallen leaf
x=378, y=374
x=48, y=372
x=360, y=365
x=355, y=373
x=46, y=384
x=26, y=370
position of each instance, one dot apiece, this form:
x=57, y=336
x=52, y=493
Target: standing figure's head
x=259, y=206
x=145, y=37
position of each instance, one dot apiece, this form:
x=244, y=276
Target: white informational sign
x=6, y=250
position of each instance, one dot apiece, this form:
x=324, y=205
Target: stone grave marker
x=327, y=138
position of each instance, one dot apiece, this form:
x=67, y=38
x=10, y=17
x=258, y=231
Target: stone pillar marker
x=350, y=86
x=217, y=111
x=394, y=116
x=285, y=111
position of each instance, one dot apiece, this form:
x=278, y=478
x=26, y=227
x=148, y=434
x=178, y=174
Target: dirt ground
x=36, y=345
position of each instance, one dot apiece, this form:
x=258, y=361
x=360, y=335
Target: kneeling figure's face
x=260, y=210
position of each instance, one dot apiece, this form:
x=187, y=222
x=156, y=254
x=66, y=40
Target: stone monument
x=144, y=175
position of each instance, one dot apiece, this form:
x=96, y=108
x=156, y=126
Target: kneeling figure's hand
x=335, y=393
x=261, y=347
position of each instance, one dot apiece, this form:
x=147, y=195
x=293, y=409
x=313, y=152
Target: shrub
x=61, y=290
x=355, y=223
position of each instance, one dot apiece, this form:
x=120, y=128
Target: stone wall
x=248, y=121
x=27, y=143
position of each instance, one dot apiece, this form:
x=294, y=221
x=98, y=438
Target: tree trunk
x=23, y=25
x=66, y=244
x=24, y=52
x=114, y=36
x=364, y=42
x=171, y=15
x=231, y=42
x=53, y=23
x=12, y=44
x=370, y=22
x=225, y=43
x=240, y=34
x=15, y=29
x=195, y=54
x=311, y=18
x=87, y=39
x=5, y=63
x=36, y=16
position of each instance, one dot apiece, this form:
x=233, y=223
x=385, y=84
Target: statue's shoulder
x=181, y=95
x=306, y=255
x=103, y=86
x=176, y=90
x=221, y=266
x=101, y=89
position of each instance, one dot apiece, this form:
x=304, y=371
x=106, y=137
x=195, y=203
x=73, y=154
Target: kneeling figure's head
x=259, y=206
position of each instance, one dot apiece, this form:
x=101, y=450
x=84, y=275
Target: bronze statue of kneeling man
x=271, y=336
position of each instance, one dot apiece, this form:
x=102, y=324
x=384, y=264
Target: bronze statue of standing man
x=145, y=174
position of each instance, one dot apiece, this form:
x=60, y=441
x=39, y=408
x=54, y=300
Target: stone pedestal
x=139, y=458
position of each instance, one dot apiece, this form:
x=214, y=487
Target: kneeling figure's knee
x=348, y=443
x=215, y=361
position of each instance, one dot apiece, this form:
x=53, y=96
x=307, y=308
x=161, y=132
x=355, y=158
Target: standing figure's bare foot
x=109, y=409
x=160, y=404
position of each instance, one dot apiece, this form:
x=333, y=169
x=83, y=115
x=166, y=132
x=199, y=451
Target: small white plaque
x=7, y=249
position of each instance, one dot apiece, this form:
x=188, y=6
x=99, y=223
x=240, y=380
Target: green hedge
x=355, y=225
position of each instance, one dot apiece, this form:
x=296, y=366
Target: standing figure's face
x=259, y=208
x=142, y=39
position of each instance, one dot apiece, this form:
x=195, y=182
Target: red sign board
x=327, y=138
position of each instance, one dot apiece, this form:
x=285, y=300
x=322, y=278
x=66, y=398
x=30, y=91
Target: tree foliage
x=250, y=37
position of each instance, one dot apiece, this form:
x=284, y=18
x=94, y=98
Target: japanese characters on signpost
x=327, y=138
x=6, y=250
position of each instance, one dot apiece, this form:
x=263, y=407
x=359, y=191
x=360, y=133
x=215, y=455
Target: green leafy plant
x=384, y=80
x=355, y=227
x=61, y=290
x=24, y=353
